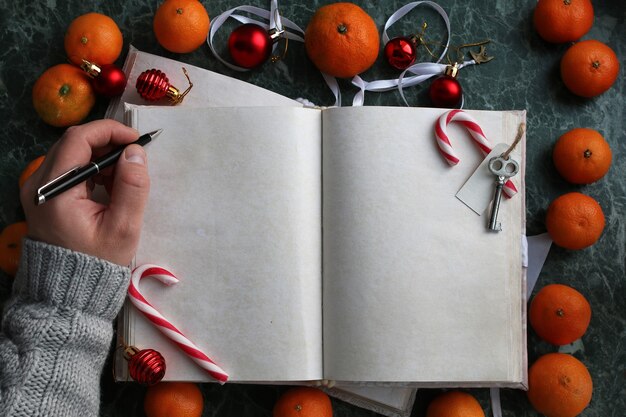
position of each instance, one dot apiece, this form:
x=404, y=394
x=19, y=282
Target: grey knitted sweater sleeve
x=56, y=331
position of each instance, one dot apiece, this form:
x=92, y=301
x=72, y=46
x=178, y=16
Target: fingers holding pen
x=80, y=143
x=71, y=219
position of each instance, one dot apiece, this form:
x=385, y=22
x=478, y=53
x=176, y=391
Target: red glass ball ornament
x=250, y=45
x=107, y=80
x=445, y=92
x=111, y=81
x=146, y=366
x=152, y=85
x=400, y=52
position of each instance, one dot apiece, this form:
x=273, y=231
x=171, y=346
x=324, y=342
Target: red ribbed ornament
x=152, y=85
x=146, y=366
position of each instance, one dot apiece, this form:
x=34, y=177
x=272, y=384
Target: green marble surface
x=524, y=75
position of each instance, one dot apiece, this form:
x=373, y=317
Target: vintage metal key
x=503, y=169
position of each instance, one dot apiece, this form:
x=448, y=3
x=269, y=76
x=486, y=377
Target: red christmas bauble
x=446, y=92
x=146, y=366
x=250, y=45
x=152, y=85
x=400, y=52
x=110, y=82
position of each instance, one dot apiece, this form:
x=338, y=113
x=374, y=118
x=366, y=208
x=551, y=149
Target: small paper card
x=477, y=192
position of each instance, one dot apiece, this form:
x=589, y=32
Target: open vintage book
x=328, y=245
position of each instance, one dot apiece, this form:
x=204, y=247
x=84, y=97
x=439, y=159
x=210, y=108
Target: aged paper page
x=416, y=289
x=234, y=212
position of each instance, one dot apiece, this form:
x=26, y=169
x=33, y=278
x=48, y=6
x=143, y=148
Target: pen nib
x=155, y=133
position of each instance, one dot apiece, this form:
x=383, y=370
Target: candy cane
x=163, y=324
x=477, y=134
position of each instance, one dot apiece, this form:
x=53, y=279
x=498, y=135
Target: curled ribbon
x=421, y=71
x=276, y=21
x=164, y=325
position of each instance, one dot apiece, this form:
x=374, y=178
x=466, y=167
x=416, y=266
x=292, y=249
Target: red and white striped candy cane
x=477, y=134
x=163, y=324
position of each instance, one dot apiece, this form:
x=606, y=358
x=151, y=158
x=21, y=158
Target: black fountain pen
x=79, y=174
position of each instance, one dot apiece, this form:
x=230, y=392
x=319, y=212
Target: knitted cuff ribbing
x=68, y=279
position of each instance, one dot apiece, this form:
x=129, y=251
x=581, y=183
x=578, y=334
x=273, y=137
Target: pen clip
x=41, y=190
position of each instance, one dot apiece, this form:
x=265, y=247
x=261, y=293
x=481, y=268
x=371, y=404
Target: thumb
x=129, y=192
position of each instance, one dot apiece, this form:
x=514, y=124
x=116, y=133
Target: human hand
x=72, y=219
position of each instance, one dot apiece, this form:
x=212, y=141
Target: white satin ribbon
x=292, y=31
x=421, y=71
x=404, y=10
x=332, y=83
x=496, y=407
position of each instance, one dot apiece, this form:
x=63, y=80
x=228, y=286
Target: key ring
x=503, y=167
